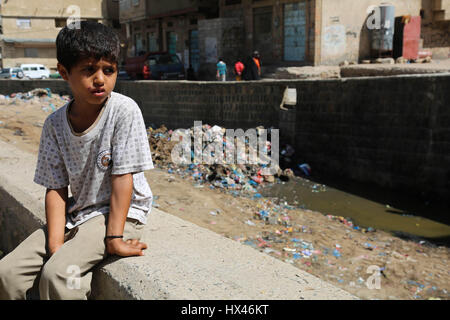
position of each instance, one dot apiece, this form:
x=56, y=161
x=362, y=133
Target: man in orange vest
x=257, y=60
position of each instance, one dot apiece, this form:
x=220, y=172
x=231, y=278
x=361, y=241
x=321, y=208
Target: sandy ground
x=324, y=246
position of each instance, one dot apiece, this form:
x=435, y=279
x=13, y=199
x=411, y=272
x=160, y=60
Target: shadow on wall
x=364, y=42
x=207, y=72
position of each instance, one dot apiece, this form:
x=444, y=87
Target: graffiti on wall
x=334, y=40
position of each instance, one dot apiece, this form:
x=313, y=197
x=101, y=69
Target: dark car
x=122, y=75
x=155, y=66
x=166, y=67
x=11, y=73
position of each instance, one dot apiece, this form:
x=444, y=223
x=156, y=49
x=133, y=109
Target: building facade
x=170, y=26
x=326, y=32
x=280, y=30
x=285, y=32
x=29, y=28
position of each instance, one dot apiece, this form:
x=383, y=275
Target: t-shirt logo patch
x=104, y=159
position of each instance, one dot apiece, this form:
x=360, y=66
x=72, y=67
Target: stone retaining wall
x=390, y=131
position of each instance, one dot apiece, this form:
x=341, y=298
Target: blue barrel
x=382, y=39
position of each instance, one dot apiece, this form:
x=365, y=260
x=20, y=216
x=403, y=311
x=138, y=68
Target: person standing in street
x=257, y=60
x=250, y=69
x=221, y=70
x=238, y=69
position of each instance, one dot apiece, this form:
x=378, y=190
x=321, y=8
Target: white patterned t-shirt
x=116, y=143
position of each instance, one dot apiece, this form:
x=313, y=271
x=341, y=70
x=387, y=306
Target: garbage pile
x=48, y=101
x=216, y=172
x=346, y=261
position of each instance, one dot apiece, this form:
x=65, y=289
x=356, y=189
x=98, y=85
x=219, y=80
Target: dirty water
x=401, y=215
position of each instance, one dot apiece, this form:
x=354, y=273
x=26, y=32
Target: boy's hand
x=131, y=247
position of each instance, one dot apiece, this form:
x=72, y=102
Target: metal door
x=262, y=32
x=295, y=31
x=194, y=51
x=411, y=38
x=172, y=42
x=138, y=44
x=152, y=42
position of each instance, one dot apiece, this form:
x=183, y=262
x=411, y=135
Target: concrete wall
x=14, y=55
x=157, y=7
x=221, y=37
x=344, y=32
x=183, y=261
x=130, y=12
x=389, y=131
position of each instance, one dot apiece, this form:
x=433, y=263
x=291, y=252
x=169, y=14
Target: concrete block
x=183, y=261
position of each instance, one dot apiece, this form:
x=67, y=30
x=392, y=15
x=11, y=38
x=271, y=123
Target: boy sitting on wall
x=97, y=143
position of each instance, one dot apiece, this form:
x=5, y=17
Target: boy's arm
x=55, y=213
x=121, y=192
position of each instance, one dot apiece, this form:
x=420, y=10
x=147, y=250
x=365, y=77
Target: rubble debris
x=245, y=178
x=48, y=101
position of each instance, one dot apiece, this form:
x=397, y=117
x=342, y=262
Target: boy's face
x=90, y=80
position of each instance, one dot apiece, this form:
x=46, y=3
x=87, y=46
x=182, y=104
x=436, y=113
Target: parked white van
x=35, y=71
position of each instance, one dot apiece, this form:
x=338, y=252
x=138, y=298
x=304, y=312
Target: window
x=60, y=22
x=26, y=69
x=23, y=23
x=135, y=3
x=41, y=68
x=34, y=68
x=31, y=52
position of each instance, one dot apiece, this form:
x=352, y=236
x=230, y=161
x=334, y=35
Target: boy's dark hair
x=90, y=40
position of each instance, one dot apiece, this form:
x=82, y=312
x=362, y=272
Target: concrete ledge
x=386, y=70
x=183, y=261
